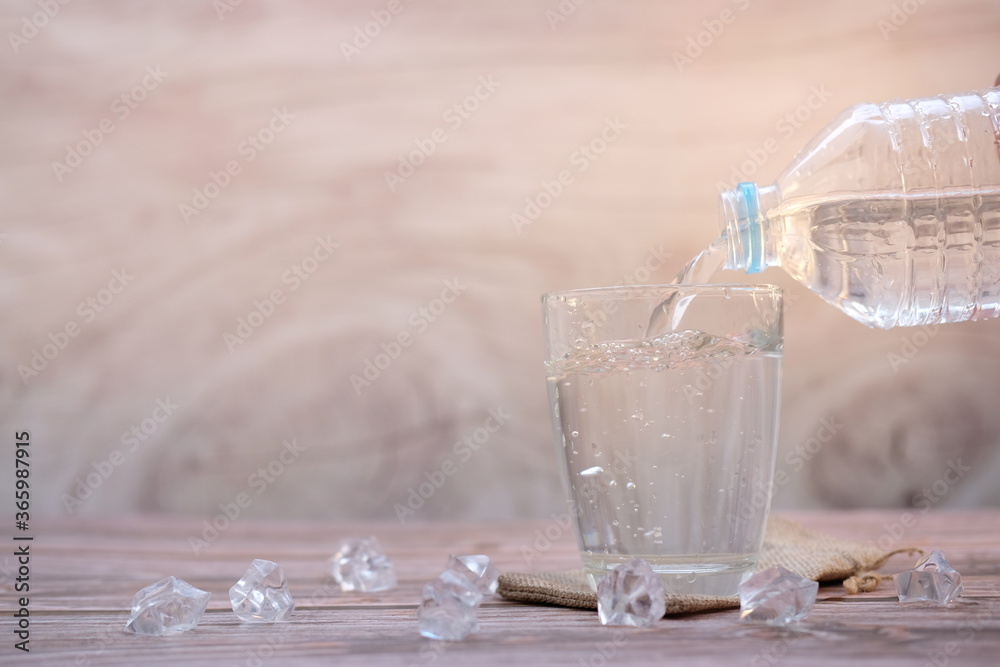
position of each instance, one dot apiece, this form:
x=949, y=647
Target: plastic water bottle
x=892, y=213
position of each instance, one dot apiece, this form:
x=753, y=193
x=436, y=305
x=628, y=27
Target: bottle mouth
x=743, y=227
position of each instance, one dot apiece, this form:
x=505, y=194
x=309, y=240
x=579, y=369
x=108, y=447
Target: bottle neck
x=743, y=211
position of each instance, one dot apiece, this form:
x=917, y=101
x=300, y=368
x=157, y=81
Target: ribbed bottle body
x=893, y=213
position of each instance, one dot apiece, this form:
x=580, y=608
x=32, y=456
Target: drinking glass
x=665, y=404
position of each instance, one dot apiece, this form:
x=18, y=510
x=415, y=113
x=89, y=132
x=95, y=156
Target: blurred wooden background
x=152, y=405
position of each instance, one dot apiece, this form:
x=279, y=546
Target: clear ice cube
x=631, y=594
x=168, y=607
x=359, y=565
x=450, y=606
x=776, y=596
x=262, y=594
x=932, y=579
x=478, y=569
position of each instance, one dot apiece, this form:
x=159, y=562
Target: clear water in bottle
x=892, y=213
x=890, y=259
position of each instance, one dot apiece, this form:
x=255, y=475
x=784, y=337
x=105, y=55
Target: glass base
x=691, y=574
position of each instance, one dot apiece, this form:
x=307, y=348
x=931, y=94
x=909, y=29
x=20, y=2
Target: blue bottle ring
x=754, y=230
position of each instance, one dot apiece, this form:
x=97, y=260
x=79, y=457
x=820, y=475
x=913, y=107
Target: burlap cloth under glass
x=807, y=553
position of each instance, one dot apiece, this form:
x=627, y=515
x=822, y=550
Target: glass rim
x=639, y=291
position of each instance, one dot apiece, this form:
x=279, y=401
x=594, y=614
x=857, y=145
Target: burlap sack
x=807, y=553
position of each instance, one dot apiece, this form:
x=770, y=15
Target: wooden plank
x=84, y=572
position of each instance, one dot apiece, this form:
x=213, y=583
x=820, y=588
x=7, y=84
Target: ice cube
x=168, y=607
x=932, y=579
x=360, y=565
x=450, y=607
x=776, y=596
x=631, y=594
x=262, y=594
x=478, y=569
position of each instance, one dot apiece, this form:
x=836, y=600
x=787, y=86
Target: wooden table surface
x=83, y=573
